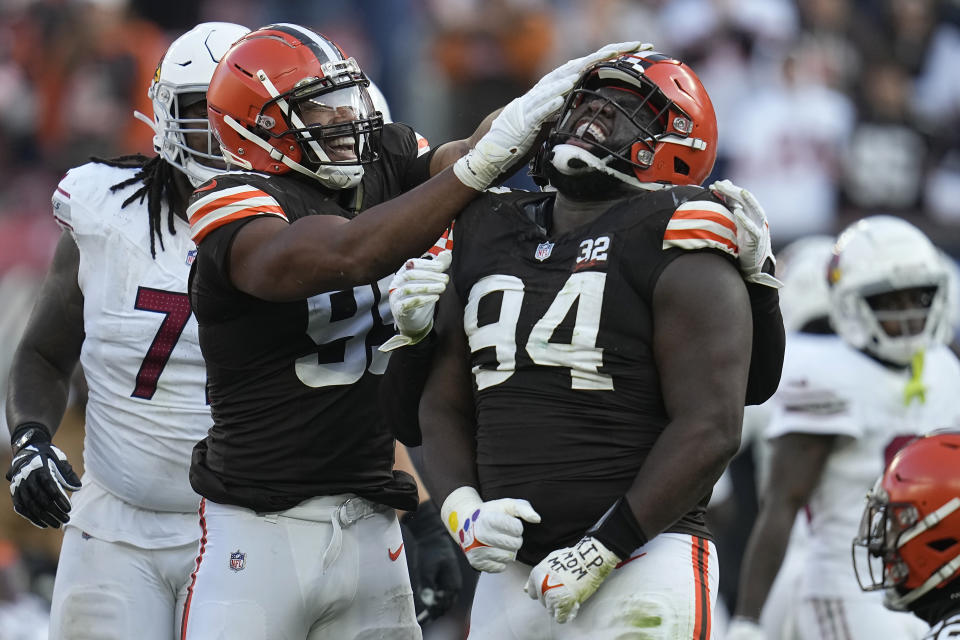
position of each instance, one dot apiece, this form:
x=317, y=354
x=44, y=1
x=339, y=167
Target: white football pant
x=262, y=576
x=859, y=617
x=115, y=591
x=666, y=590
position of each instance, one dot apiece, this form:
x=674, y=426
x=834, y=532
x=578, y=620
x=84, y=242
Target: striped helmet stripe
x=324, y=49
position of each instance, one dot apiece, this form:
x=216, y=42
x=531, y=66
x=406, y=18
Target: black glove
x=433, y=561
x=40, y=477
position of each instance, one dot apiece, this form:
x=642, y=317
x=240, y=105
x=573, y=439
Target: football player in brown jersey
x=289, y=289
x=592, y=364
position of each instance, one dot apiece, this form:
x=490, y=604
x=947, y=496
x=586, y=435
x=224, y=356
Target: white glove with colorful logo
x=567, y=577
x=515, y=129
x=753, y=232
x=414, y=292
x=489, y=533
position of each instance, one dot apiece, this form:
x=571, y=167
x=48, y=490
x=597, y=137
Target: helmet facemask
x=333, y=121
x=876, y=558
x=185, y=140
x=647, y=121
x=591, y=145
x=895, y=333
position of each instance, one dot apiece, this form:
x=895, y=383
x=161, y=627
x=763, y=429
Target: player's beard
x=591, y=185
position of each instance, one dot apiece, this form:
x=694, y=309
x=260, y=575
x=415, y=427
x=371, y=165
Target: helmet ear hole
x=942, y=544
x=681, y=167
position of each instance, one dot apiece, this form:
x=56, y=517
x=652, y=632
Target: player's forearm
x=37, y=391
x=769, y=339
x=763, y=556
x=448, y=450
x=401, y=388
x=692, y=455
x=376, y=242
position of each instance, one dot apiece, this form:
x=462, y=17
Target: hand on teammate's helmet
x=435, y=566
x=567, y=577
x=753, y=233
x=489, y=533
x=515, y=129
x=40, y=477
x=414, y=292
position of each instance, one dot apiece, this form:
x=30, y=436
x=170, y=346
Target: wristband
x=28, y=433
x=619, y=530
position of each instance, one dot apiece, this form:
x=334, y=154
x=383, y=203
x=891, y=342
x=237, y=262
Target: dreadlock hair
x=157, y=176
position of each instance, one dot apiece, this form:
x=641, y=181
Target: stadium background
x=829, y=110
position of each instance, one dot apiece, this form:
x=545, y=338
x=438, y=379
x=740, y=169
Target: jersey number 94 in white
x=581, y=355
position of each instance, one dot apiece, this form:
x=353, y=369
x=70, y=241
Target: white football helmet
x=181, y=79
x=802, y=267
x=882, y=254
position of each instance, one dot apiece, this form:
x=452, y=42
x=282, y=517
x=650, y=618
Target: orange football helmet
x=909, y=538
x=675, y=138
x=262, y=91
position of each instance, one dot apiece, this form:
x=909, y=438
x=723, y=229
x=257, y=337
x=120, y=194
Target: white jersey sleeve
x=141, y=357
x=815, y=394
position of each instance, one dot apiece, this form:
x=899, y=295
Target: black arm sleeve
x=766, y=360
x=402, y=386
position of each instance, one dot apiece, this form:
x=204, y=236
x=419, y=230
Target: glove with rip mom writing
x=567, y=577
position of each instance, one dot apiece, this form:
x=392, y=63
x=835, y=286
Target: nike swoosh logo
x=213, y=183
x=395, y=554
x=544, y=587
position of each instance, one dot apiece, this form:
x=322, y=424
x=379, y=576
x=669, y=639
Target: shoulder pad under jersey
x=225, y=199
x=702, y=223
x=83, y=198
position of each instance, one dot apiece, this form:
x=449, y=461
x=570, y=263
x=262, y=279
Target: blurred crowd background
x=829, y=110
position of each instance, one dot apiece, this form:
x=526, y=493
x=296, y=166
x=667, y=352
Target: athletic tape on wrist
x=42, y=433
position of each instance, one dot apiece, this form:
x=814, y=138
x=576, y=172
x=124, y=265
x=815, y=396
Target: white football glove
x=515, y=129
x=744, y=629
x=414, y=292
x=567, y=577
x=489, y=533
x=753, y=232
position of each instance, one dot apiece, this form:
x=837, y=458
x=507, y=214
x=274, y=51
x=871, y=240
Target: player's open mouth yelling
x=588, y=130
x=342, y=148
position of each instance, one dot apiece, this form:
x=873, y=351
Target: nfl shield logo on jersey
x=191, y=256
x=238, y=560
x=544, y=249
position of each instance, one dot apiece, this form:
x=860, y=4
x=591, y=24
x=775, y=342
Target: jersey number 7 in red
x=176, y=308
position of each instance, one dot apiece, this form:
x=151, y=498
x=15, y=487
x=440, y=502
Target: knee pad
x=92, y=612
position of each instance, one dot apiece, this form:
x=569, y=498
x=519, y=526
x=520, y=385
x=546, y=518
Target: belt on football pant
x=340, y=512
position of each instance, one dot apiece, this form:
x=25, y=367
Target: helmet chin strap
x=571, y=160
